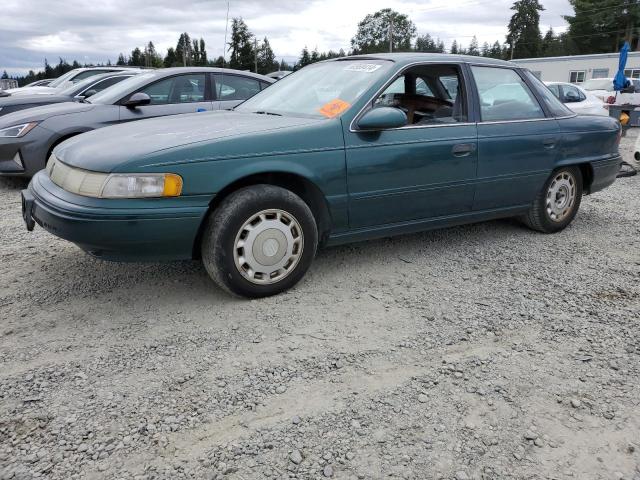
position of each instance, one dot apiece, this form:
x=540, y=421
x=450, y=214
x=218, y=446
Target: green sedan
x=341, y=151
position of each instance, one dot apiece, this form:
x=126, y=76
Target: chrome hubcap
x=561, y=196
x=268, y=246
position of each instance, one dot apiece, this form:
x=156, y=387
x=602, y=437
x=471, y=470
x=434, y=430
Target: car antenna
x=224, y=54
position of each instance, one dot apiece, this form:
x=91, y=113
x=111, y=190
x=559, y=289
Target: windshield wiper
x=263, y=112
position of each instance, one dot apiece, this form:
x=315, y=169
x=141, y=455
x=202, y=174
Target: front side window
x=319, y=90
x=572, y=94
x=428, y=94
x=577, y=76
x=235, y=87
x=106, y=83
x=555, y=89
x=505, y=96
x=178, y=89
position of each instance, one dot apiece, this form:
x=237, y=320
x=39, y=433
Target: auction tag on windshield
x=334, y=108
x=362, y=67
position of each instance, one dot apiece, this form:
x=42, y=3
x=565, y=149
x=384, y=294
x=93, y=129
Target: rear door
x=185, y=93
x=517, y=143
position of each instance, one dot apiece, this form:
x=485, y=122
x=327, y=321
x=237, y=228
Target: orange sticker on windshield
x=334, y=108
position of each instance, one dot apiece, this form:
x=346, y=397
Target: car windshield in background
x=112, y=94
x=323, y=90
x=60, y=80
x=598, y=84
x=72, y=90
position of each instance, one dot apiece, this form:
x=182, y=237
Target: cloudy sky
x=32, y=30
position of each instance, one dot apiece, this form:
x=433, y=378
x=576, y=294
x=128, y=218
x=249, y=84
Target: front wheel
x=260, y=241
x=558, y=202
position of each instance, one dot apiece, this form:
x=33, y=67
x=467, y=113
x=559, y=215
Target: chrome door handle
x=549, y=143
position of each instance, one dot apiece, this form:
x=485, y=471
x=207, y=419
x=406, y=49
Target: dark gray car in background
x=27, y=137
x=76, y=92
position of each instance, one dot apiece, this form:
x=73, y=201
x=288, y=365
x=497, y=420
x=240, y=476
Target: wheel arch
x=59, y=140
x=302, y=186
x=586, y=170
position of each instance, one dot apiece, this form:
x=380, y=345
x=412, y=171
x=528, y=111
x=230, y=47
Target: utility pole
x=255, y=49
x=390, y=35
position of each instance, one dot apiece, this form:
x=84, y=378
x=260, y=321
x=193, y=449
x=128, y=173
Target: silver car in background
x=28, y=137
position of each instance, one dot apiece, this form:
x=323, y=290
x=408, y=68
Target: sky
x=93, y=32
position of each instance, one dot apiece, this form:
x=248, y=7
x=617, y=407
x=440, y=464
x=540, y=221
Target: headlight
x=114, y=185
x=18, y=130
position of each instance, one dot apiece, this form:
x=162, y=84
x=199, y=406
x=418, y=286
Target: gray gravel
x=480, y=352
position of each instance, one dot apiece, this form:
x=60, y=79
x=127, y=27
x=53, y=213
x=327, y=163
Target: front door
x=424, y=170
x=517, y=144
x=186, y=93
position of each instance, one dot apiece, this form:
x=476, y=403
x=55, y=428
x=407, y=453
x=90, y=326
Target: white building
x=7, y=83
x=578, y=68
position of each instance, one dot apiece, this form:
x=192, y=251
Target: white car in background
x=578, y=99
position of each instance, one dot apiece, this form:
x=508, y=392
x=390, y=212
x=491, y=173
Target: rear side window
x=235, y=87
x=554, y=105
x=87, y=74
x=504, y=96
x=179, y=89
x=106, y=83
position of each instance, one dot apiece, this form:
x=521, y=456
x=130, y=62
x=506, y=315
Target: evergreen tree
x=184, y=50
x=122, y=60
x=203, y=53
x=524, y=29
x=5, y=75
x=473, y=47
x=171, y=59
x=305, y=58
x=454, y=47
x=137, y=58
x=485, y=49
x=373, y=32
x=266, y=58
x=602, y=26
x=425, y=43
x=283, y=65
x=241, y=46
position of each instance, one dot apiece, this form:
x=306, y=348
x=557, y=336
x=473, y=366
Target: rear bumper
x=604, y=173
x=122, y=230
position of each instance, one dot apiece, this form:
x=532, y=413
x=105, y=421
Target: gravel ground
x=480, y=352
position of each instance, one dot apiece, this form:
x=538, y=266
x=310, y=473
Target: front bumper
x=31, y=151
x=122, y=230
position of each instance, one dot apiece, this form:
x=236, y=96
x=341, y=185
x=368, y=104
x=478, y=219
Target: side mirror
x=137, y=100
x=381, y=118
x=89, y=93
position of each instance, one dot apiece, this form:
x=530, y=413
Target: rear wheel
x=260, y=241
x=558, y=202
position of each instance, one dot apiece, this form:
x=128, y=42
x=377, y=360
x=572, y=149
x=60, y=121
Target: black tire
x=540, y=218
x=224, y=224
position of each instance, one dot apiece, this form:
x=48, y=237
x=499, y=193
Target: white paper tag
x=363, y=67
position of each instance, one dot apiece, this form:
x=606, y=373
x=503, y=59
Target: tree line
x=596, y=26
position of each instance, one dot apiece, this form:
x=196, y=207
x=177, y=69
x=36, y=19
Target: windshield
x=598, y=84
x=76, y=88
x=321, y=90
x=111, y=95
x=60, y=80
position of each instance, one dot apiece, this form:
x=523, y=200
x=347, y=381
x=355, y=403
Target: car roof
x=412, y=57
x=167, y=72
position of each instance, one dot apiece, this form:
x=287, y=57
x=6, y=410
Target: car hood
x=38, y=114
x=32, y=91
x=31, y=99
x=163, y=139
